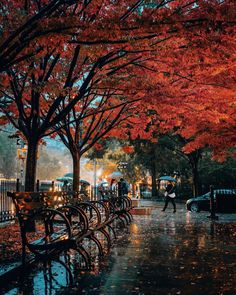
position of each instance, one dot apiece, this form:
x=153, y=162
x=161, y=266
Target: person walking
x=65, y=185
x=170, y=196
x=122, y=188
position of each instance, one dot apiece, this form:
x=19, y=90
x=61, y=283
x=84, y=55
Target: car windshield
x=206, y=195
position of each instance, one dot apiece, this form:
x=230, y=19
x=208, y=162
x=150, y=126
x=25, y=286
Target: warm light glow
x=201, y=242
x=22, y=153
x=134, y=228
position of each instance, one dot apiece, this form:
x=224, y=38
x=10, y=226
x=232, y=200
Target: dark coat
x=122, y=188
x=170, y=189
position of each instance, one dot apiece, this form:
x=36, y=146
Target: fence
x=7, y=209
x=6, y=205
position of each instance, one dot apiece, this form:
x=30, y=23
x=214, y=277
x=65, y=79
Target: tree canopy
x=174, y=60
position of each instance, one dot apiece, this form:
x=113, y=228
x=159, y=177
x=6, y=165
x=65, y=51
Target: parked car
x=225, y=201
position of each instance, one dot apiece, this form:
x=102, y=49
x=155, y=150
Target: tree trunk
x=31, y=163
x=76, y=170
x=154, y=182
x=195, y=181
x=195, y=175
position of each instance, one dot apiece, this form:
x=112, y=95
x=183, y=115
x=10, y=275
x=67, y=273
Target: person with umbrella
x=170, y=196
x=65, y=186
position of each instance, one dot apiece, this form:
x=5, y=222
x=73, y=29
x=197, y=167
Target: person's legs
x=173, y=203
x=166, y=203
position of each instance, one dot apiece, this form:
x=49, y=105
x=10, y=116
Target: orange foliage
x=128, y=149
x=178, y=60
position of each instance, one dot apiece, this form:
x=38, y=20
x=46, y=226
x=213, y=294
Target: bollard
x=212, y=205
x=53, y=185
x=37, y=185
x=17, y=185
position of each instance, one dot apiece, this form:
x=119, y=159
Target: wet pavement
x=160, y=253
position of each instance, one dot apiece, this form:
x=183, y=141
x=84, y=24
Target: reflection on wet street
x=160, y=253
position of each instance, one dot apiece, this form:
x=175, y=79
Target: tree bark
x=31, y=163
x=194, y=160
x=154, y=182
x=76, y=170
x=195, y=180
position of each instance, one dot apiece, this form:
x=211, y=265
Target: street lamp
x=21, y=155
x=122, y=165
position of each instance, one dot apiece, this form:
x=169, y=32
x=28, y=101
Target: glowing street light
x=122, y=165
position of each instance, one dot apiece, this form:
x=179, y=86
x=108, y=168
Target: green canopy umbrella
x=115, y=174
x=69, y=177
x=84, y=181
x=168, y=178
x=63, y=178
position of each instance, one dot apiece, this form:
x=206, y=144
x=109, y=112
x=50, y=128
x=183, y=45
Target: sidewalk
x=161, y=253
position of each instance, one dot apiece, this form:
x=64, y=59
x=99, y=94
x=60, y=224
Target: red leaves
x=178, y=59
x=10, y=243
x=98, y=146
x=128, y=149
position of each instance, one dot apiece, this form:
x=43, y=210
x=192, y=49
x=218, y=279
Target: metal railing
x=7, y=210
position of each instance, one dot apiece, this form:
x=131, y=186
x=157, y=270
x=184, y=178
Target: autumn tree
x=194, y=94
x=37, y=102
x=197, y=101
x=89, y=17
x=132, y=39
x=38, y=94
x=176, y=144
x=192, y=127
x=86, y=130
